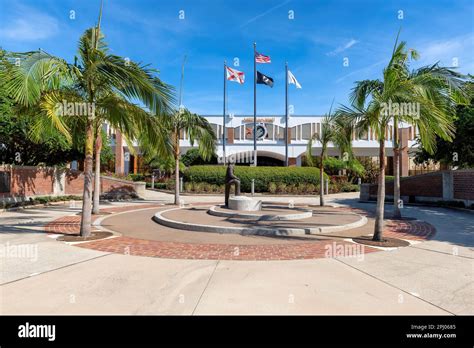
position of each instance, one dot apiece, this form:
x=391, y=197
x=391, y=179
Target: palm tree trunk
x=379, y=213
x=98, y=148
x=396, y=171
x=86, y=218
x=176, y=170
x=397, y=214
x=321, y=180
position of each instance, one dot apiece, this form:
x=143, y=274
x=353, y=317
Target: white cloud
x=27, y=24
x=363, y=71
x=447, y=52
x=253, y=19
x=342, y=48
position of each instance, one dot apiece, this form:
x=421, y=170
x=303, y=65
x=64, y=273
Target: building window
x=269, y=131
x=293, y=133
x=306, y=131
x=249, y=131
x=237, y=133
x=215, y=129
x=279, y=133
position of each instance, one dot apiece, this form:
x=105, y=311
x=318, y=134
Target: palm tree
x=196, y=128
x=327, y=135
x=103, y=80
x=437, y=90
x=370, y=98
x=363, y=118
x=343, y=133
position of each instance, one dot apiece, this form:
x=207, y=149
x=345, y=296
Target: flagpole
x=181, y=83
x=223, y=116
x=286, y=114
x=254, y=105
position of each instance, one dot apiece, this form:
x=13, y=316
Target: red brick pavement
x=173, y=250
x=411, y=230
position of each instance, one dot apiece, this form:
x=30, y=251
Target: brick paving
x=411, y=230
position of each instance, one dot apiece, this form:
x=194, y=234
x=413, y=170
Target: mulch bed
x=78, y=238
x=385, y=243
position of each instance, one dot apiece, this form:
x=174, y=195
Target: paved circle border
x=303, y=213
x=260, y=231
x=413, y=231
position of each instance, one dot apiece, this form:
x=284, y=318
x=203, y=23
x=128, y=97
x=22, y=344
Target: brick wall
x=29, y=181
x=74, y=182
x=441, y=185
x=425, y=185
x=38, y=181
x=463, y=184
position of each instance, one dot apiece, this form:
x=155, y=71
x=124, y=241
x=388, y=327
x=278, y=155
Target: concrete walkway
x=434, y=277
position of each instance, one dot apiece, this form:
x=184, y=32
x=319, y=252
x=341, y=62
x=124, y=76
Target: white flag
x=292, y=80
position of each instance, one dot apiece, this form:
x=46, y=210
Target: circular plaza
x=210, y=231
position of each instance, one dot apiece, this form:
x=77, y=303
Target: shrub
x=207, y=187
x=192, y=157
x=272, y=187
x=310, y=188
x=169, y=185
x=263, y=176
x=347, y=187
x=135, y=177
x=198, y=186
x=281, y=187
x=338, y=179
x=188, y=186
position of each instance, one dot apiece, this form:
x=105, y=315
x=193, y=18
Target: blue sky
x=315, y=42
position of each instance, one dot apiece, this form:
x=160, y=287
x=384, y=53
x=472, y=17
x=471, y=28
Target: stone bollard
x=252, y=189
x=153, y=181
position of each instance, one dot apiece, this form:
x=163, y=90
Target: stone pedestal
x=244, y=203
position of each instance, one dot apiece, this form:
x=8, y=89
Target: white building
x=271, y=142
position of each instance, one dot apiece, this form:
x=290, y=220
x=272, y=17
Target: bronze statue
x=230, y=179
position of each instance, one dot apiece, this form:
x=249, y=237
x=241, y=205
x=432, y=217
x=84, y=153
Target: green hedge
x=215, y=175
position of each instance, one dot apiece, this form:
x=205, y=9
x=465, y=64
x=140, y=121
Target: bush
x=158, y=185
x=338, y=179
x=192, y=158
x=263, y=176
x=188, y=186
x=170, y=185
x=281, y=187
x=272, y=187
x=311, y=188
x=135, y=177
x=347, y=187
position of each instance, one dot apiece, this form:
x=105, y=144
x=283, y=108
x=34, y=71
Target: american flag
x=235, y=75
x=260, y=58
